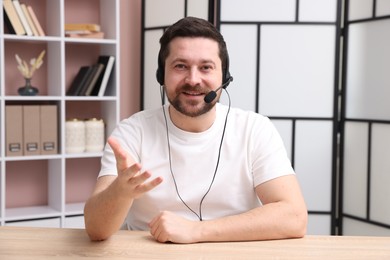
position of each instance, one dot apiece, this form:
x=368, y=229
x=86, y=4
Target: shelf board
x=59, y=98
x=13, y=37
x=83, y=155
x=89, y=40
x=30, y=213
x=74, y=209
x=32, y=157
x=32, y=98
x=90, y=98
x=54, y=156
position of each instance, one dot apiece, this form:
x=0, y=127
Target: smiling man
x=195, y=170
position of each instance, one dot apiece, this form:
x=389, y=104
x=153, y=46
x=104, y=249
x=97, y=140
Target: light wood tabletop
x=45, y=243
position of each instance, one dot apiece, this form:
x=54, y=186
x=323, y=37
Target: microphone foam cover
x=210, y=97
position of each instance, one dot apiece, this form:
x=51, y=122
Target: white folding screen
x=368, y=70
x=151, y=91
x=157, y=16
x=297, y=70
x=366, y=133
x=242, y=64
x=283, y=60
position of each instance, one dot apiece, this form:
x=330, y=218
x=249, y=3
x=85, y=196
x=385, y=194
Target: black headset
x=226, y=77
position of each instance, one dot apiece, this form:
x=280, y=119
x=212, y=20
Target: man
x=195, y=170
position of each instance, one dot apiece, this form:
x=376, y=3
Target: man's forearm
x=272, y=221
x=104, y=213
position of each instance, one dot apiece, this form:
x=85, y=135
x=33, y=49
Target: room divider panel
x=284, y=57
x=365, y=153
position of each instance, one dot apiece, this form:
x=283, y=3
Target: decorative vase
x=74, y=136
x=28, y=89
x=94, y=135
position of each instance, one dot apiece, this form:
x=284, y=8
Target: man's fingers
x=128, y=170
x=123, y=159
x=142, y=186
x=152, y=184
x=145, y=187
x=131, y=173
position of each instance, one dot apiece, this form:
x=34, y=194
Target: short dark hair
x=191, y=27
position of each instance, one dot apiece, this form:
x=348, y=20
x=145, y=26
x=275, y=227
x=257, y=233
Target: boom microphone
x=213, y=94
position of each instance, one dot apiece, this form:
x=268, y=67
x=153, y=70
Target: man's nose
x=194, y=77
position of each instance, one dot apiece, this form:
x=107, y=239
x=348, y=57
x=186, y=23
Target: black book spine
x=8, y=23
x=79, y=81
x=105, y=60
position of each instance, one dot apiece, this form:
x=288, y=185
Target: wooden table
x=46, y=243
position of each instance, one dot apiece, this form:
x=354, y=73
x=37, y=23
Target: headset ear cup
x=160, y=76
x=226, y=75
x=160, y=69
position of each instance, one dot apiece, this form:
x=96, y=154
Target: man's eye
x=180, y=66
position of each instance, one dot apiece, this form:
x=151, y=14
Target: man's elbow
x=96, y=235
x=95, y=232
x=299, y=228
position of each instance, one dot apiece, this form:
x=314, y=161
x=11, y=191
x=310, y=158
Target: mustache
x=196, y=88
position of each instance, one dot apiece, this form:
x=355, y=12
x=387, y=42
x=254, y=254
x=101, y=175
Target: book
x=35, y=21
x=8, y=28
x=78, y=32
x=12, y=19
x=96, y=75
x=79, y=81
x=88, y=78
x=22, y=18
x=102, y=82
x=91, y=80
x=82, y=27
x=84, y=34
x=29, y=20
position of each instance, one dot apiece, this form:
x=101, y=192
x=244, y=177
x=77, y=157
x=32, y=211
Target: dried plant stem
x=26, y=70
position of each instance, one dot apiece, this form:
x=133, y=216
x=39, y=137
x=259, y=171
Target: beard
x=191, y=108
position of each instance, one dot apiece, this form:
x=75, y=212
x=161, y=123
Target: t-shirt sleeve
x=269, y=156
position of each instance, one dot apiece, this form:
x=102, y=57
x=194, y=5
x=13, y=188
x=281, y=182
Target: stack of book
x=83, y=30
x=20, y=19
x=92, y=80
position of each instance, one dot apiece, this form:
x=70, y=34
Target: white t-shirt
x=252, y=153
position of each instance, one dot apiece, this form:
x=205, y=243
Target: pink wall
x=130, y=43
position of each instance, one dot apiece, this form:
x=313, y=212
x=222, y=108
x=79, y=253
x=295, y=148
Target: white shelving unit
x=50, y=190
